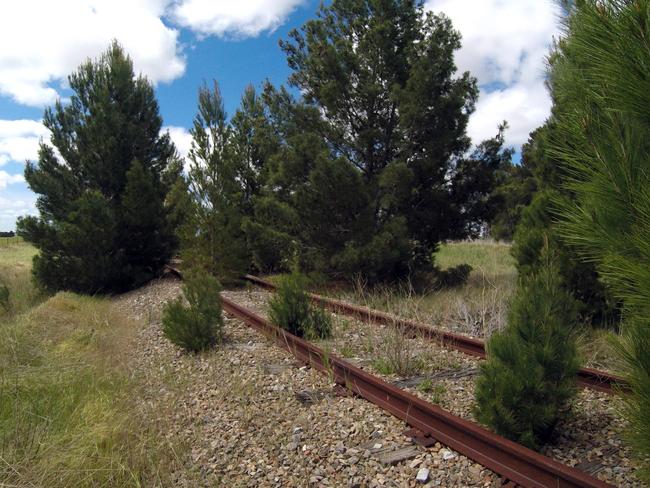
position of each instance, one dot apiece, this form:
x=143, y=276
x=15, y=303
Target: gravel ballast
x=252, y=416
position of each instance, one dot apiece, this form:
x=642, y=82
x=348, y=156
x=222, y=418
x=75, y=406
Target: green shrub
x=292, y=310
x=530, y=374
x=200, y=325
x=319, y=324
x=452, y=277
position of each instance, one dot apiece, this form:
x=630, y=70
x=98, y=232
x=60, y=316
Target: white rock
x=423, y=475
x=447, y=454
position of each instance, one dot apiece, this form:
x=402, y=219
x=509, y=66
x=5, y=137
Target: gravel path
x=590, y=437
x=251, y=416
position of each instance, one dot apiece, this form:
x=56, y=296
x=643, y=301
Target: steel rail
x=504, y=457
x=587, y=377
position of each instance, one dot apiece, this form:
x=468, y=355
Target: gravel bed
x=251, y=416
x=590, y=437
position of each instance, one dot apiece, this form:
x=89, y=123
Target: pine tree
x=601, y=80
x=216, y=241
x=379, y=129
x=530, y=372
x=102, y=224
x=537, y=223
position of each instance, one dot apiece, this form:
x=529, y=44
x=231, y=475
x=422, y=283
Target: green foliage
x=537, y=225
x=600, y=80
x=292, y=310
x=425, y=386
x=199, y=325
x=535, y=229
x=452, y=277
x=102, y=224
x=530, y=374
x=369, y=170
x=513, y=191
x=227, y=162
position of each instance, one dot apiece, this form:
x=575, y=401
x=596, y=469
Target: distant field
x=477, y=308
x=8, y=241
x=488, y=257
x=15, y=273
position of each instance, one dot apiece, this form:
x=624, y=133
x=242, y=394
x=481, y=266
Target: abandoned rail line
x=431, y=423
x=587, y=377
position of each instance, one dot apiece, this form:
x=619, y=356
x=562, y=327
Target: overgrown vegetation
x=15, y=278
x=67, y=416
x=394, y=355
x=530, y=373
x=198, y=325
x=103, y=226
x=477, y=307
x=291, y=309
x=601, y=88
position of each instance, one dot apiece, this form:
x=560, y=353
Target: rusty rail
x=506, y=458
x=587, y=377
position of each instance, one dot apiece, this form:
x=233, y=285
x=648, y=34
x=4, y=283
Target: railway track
x=512, y=461
x=587, y=377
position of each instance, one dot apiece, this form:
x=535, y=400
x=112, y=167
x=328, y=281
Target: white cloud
x=505, y=44
x=524, y=106
x=44, y=41
x=12, y=208
x=181, y=138
x=19, y=139
x=7, y=179
x=245, y=18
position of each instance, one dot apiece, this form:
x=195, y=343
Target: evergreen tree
x=530, y=372
x=601, y=80
x=536, y=225
x=379, y=130
x=102, y=224
x=222, y=179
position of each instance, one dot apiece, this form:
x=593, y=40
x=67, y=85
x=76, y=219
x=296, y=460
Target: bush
x=292, y=310
x=530, y=373
x=200, y=325
x=452, y=277
x=579, y=278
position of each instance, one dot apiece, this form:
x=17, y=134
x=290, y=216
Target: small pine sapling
x=292, y=310
x=530, y=373
x=200, y=325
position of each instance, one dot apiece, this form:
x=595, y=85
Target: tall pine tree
x=601, y=79
x=370, y=153
x=102, y=225
x=219, y=179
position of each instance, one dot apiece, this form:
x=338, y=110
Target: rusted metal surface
x=588, y=378
x=506, y=458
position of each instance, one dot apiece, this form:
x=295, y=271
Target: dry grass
x=477, y=308
x=67, y=400
x=15, y=273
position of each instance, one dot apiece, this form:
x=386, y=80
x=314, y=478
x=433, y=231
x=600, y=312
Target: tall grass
x=479, y=307
x=66, y=400
x=67, y=395
x=15, y=274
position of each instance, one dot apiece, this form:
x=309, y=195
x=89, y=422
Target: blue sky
x=179, y=44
